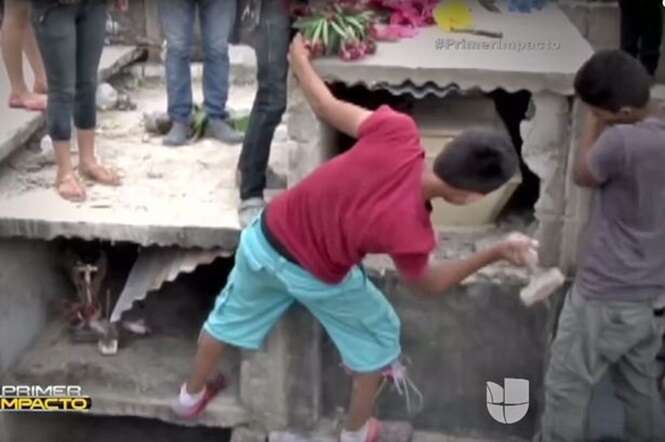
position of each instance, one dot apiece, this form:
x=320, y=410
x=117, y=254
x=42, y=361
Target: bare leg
x=67, y=185
x=88, y=165
x=208, y=355
x=15, y=21
x=365, y=387
x=35, y=59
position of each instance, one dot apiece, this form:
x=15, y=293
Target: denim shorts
x=263, y=285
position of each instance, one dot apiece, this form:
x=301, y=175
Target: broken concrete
x=19, y=125
x=185, y=197
x=145, y=376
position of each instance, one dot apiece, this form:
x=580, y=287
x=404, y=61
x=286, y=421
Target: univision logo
x=510, y=403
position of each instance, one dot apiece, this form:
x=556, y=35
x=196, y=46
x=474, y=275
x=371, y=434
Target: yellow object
x=453, y=14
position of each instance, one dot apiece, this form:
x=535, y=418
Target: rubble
x=107, y=97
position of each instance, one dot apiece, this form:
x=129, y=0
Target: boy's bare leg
x=88, y=164
x=208, y=355
x=363, y=395
x=35, y=59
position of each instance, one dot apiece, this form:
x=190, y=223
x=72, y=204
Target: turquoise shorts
x=263, y=285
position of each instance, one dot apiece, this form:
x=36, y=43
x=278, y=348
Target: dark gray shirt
x=622, y=252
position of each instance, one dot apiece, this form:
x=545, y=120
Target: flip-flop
x=91, y=177
x=212, y=389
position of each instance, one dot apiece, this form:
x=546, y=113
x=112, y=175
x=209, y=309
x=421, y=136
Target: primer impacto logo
x=53, y=398
x=510, y=403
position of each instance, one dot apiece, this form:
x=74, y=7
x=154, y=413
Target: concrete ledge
x=145, y=376
x=19, y=125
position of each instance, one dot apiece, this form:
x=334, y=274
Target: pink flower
x=391, y=32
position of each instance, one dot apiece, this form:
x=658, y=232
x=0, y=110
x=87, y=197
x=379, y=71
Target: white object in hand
x=542, y=282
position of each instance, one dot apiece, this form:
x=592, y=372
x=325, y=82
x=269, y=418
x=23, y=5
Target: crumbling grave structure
x=477, y=333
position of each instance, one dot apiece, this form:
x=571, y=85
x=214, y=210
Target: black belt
x=660, y=312
x=274, y=242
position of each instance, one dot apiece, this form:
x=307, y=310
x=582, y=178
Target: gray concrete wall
x=599, y=22
x=28, y=281
x=474, y=334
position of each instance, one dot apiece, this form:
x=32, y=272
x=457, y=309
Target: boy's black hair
x=478, y=160
x=611, y=80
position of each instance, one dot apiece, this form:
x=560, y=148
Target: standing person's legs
x=17, y=34
x=272, y=46
x=631, y=27
x=652, y=33
x=575, y=367
x=55, y=29
x=217, y=18
x=177, y=19
x=635, y=373
x=34, y=57
x=90, y=33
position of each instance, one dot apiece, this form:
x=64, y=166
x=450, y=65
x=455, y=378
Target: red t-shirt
x=366, y=200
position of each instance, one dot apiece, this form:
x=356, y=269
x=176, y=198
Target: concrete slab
x=18, y=125
x=390, y=432
x=539, y=52
x=185, y=197
x=145, y=376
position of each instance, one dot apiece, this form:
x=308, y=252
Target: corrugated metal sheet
x=156, y=266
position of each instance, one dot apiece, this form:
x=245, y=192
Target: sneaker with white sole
x=211, y=390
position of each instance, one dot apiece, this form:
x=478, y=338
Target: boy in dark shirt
x=610, y=321
x=307, y=245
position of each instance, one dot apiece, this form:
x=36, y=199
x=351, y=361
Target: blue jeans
x=71, y=41
x=272, y=46
x=216, y=17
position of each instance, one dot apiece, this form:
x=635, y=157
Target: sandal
x=101, y=175
x=64, y=186
x=212, y=389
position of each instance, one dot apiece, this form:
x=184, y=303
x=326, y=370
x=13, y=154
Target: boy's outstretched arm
x=345, y=117
x=439, y=277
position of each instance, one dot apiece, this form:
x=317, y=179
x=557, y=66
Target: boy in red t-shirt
x=308, y=244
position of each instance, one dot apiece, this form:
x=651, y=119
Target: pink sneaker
x=212, y=389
